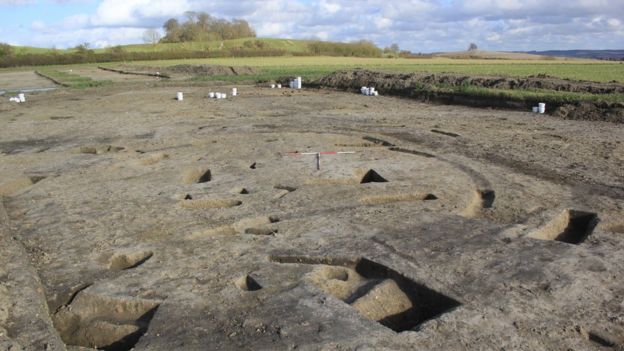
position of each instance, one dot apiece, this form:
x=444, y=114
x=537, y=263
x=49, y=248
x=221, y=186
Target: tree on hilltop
x=201, y=26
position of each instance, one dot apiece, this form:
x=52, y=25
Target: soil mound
x=592, y=112
x=422, y=86
x=383, y=80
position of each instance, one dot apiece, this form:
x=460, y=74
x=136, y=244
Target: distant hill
x=288, y=45
x=588, y=54
x=490, y=55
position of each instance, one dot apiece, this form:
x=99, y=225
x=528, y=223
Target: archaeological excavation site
x=318, y=218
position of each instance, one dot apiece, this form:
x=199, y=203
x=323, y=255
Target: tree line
x=200, y=26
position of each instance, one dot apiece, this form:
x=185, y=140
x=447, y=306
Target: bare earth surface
x=137, y=221
x=23, y=80
x=99, y=74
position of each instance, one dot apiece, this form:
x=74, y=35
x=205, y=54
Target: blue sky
x=417, y=25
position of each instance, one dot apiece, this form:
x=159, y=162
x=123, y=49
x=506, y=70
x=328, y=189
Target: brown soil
x=23, y=80
x=136, y=222
x=589, y=111
x=387, y=81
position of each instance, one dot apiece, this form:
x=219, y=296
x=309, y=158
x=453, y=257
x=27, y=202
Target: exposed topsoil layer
x=205, y=70
x=415, y=85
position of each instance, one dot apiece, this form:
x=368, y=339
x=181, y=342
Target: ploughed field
x=132, y=220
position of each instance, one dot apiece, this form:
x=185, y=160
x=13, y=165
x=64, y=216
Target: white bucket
x=376, y=93
x=224, y=96
x=234, y=91
x=21, y=97
x=272, y=86
x=535, y=109
x=542, y=107
x=211, y=95
x=298, y=83
x=218, y=95
x=279, y=86
x=180, y=96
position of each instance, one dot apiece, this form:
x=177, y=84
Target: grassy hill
x=492, y=55
x=288, y=45
x=23, y=50
x=295, y=47
x=245, y=47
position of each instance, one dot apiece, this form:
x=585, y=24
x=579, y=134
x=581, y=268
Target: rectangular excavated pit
x=570, y=226
x=424, y=303
x=376, y=291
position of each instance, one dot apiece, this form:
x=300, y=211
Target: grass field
x=315, y=67
x=271, y=68
x=71, y=80
x=288, y=45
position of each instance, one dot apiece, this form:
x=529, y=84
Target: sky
x=415, y=25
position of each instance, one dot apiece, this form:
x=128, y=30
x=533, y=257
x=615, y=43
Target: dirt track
x=159, y=225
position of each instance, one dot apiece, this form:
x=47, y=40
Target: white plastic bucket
x=224, y=96
x=272, y=86
x=234, y=91
x=279, y=86
x=218, y=95
x=211, y=95
x=541, y=107
x=298, y=83
x=21, y=97
x=179, y=96
x=535, y=109
x=376, y=93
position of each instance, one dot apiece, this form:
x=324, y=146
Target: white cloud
x=16, y=2
x=419, y=25
x=135, y=12
x=329, y=7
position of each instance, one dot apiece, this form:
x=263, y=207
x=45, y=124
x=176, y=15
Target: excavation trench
x=376, y=291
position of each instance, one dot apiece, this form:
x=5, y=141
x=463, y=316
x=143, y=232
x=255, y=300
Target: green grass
x=310, y=68
x=292, y=46
x=315, y=67
x=73, y=80
x=288, y=45
x=22, y=50
x=549, y=96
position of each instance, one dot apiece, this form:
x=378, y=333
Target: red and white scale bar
x=318, y=155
